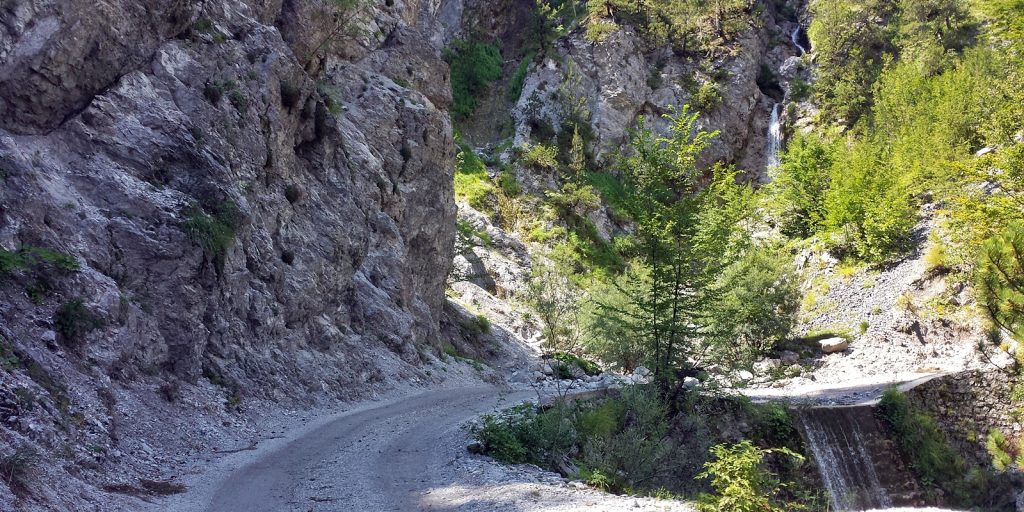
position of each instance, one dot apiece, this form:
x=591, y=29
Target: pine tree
x=1001, y=280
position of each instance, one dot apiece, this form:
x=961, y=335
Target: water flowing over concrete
x=857, y=463
x=774, y=137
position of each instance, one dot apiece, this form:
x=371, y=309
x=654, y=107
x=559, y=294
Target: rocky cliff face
x=258, y=192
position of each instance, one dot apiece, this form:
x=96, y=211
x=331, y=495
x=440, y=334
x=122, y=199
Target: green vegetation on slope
x=474, y=65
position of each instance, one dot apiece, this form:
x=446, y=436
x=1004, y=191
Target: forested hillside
x=902, y=125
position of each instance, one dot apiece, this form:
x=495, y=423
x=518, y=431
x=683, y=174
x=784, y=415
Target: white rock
x=832, y=345
x=641, y=371
x=690, y=382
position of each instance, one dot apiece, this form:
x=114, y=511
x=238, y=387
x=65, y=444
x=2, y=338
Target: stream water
x=774, y=137
x=794, y=36
x=857, y=462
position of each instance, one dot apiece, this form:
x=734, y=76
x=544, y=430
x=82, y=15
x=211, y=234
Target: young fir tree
x=685, y=231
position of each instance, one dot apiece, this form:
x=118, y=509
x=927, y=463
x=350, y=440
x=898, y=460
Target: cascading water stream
x=855, y=459
x=795, y=37
x=774, y=137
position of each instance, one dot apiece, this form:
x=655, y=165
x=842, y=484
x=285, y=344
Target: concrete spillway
x=858, y=464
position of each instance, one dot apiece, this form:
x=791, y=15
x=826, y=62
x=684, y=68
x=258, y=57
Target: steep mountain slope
x=255, y=194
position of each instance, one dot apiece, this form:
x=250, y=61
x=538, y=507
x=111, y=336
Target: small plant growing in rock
x=73, y=321
x=478, y=326
x=214, y=233
x=29, y=257
x=16, y=468
x=214, y=90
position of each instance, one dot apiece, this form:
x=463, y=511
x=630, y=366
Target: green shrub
x=601, y=421
x=239, y=100
x=472, y=183
x=483, y=324
x=523, y=434
x=599, y=30
x=215, y=231
x=509, y=184
x=500, y=437
x=73, y=321
x=329, y=95
x=1000, y=288
x=588, y=367
x=920, y=440
x=28, y=257
x=799, y=90
x=741, y=482
x=1005, y=454
x=16, y=468
x=758, y=301
x=515, y=84
x=707, y=97
x=474, y=65
x=541, y=156
x=214, y=90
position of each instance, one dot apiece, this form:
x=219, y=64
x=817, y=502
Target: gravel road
x=401, y=455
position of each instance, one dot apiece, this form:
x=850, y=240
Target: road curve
x=381, y=457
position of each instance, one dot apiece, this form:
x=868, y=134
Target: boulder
x=641, y=371
x=690, y=382
x=789, y=357
x=832, y=345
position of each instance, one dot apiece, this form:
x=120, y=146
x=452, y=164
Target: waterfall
x=795, y=37
x=774, y=137
x=854, y=458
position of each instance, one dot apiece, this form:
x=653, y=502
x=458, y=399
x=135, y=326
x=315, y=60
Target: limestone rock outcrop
x=250, y=191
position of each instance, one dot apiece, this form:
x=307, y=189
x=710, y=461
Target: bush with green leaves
x=757, y=305
x=541, y=156
x=73, y=320
x=935, y=463
x=515, y=84
x=587, y=366
x=741, y=481
x=619, y=443
x=214, y=228
x=919, y=439
x=28, y=257
x=474, y=66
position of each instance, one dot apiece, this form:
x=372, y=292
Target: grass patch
x=29, y=257
x=472, y=183
x=214, y=90
x=612, y=191
x=930, y=456
x=515, y=84
x=215, y=231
